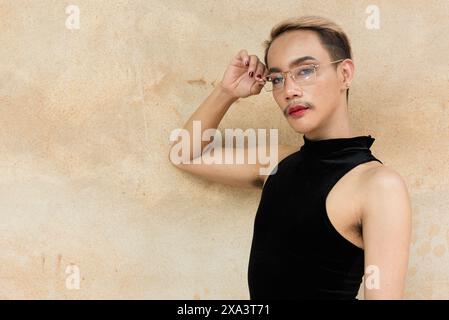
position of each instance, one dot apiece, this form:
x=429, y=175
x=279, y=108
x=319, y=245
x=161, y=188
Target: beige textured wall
x=85, y=121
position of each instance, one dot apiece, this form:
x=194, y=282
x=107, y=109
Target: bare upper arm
x=386, y=225
x=251, y=172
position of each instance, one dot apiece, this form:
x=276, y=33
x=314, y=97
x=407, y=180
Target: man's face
x=323, y=96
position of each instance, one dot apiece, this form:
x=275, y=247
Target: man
x=331, y=212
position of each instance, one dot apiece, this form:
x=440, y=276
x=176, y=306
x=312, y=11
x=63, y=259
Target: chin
x=300, y=127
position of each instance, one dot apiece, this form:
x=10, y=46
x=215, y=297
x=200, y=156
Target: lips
x=296, y=107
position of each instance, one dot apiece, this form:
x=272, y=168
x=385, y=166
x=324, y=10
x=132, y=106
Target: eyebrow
x=293, y=63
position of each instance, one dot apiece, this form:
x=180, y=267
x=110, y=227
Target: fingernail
x=246, y=63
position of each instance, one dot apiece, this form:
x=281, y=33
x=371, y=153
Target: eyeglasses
x=303, y=75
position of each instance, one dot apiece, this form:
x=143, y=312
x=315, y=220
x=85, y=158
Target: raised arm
x=240, y=80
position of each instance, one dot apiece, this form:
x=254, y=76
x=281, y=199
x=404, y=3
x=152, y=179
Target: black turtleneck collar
x=335, y=145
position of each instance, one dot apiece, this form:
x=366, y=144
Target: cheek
x=326, y=90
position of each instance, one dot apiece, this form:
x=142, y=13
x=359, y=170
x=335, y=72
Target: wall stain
x=43, y=262
x=58, y=263
x=433, y=230
x=201, y=82
x=439, y=250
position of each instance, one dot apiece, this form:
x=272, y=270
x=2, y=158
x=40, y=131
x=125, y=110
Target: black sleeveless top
x=296, y=253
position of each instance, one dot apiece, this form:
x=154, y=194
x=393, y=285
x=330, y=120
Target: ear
x=346, y=73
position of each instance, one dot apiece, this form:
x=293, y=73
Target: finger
x=252, y=65
x=243, y=57
x=265, y=73
x=259, y=71
x=256, y=87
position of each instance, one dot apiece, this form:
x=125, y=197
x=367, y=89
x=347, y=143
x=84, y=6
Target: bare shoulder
x=382, y=176
x=283, y=152
x=384, y=187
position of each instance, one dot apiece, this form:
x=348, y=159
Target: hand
x=237, y=80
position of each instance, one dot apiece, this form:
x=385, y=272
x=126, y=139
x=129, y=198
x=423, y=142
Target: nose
x=291, y=88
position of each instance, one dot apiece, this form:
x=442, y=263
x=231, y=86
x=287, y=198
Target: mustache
x=307, y=104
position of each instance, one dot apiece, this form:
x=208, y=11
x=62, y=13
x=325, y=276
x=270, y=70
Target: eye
x=305, y=71
x=276, y=79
